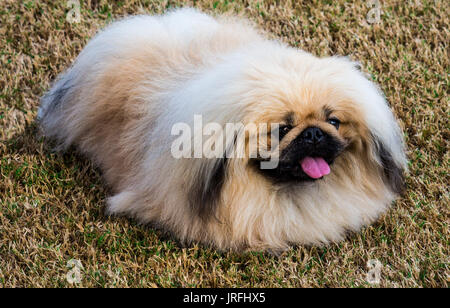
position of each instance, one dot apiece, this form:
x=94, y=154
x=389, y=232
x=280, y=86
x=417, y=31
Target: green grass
x=51, y=206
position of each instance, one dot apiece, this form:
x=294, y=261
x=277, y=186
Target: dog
x=338, y=151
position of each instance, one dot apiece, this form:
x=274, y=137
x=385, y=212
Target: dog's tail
x=53, y=108
x=54, y=98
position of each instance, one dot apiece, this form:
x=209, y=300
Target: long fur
x=140, y=76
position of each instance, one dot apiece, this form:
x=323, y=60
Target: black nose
x=312, y=135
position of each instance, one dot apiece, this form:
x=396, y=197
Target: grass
x=51, y=206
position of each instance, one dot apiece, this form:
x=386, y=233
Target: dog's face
x=312, y=133
x=310, y=141
x=323, y=122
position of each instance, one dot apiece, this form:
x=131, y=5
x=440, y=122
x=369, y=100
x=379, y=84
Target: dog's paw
x=121, y=203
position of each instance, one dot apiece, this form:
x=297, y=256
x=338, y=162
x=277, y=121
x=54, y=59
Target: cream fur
x=140, y=76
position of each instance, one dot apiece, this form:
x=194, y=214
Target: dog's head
x=332, y=124
x=328, y=114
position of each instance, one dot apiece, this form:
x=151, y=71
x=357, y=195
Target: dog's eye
x=283, y=130
x=335, y=122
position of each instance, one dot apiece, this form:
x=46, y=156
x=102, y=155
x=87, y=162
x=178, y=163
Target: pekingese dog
x=133, y=100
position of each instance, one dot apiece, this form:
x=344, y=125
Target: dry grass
x=51, y=206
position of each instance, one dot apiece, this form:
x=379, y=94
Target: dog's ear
x=205, y=192
x=393, y=172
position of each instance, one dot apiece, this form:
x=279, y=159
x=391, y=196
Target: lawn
x=52, y=205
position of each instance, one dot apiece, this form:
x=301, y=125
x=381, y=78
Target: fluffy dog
x=341, y=155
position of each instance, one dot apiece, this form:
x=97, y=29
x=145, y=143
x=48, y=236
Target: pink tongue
x=315, y=167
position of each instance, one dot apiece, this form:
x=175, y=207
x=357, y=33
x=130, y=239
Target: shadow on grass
x=30, y=149
x=71, y=171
